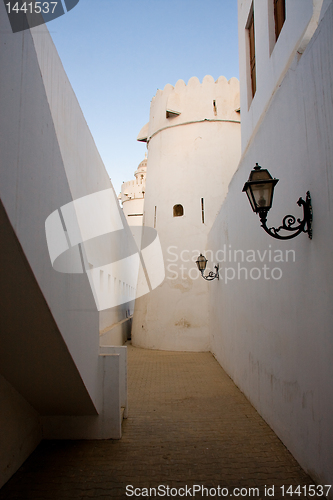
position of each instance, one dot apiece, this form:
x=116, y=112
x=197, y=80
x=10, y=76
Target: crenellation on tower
x=195, y=102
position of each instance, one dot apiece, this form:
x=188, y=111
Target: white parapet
x=107, y=425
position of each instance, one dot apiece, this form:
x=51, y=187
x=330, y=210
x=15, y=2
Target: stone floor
x=188, y=426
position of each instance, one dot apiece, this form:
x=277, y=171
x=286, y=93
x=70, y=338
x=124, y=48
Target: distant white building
x=132, y=195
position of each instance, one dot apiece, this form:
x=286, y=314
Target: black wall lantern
x=259, y=189
x=202, y=263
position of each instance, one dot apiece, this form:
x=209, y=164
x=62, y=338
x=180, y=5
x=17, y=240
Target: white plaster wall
x=107, y=425
x=33, y=184
x=132, y=189
x=23, y=430
x=49, y=320
x=133, y=210
x=272, y=59
x=191, y=156
x=274, y=337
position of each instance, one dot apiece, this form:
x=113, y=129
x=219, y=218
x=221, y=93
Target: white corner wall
x=23, y=430
x=272, y=333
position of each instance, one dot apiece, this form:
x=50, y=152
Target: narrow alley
x=188, y=426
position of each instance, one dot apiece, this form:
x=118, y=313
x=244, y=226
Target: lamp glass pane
x=262, y=194
x=201, y=263
x=251, y=199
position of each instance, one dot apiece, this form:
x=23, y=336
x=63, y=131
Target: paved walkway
x=188, y=425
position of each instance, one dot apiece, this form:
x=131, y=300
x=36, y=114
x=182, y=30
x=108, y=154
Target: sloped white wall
x=49, y=320
x=83, y=165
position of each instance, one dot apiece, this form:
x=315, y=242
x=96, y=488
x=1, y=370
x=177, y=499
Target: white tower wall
x=192, y=155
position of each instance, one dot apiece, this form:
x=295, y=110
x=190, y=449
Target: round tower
x=193, y=140
x=132, y=195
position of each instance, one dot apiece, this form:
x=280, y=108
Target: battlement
x=180, y=104
x=135, y=189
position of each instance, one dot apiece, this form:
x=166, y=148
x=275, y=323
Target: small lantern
x=259, y=189
x=201, y=263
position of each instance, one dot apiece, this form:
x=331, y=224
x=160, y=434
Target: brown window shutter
x=252, y=55
x=279, y=16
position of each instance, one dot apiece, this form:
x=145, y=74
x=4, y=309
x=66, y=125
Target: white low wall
x=22, y=427
x=106, y=425
x=122, y=352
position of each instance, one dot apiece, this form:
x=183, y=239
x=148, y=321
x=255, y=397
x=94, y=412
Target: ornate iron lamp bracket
x=288, y=221
x=211, y=276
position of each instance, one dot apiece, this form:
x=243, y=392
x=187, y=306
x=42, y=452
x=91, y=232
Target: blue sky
x=117, y=54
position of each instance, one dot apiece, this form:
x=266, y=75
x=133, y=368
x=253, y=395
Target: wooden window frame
x=252, y=52
x=279, y=16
